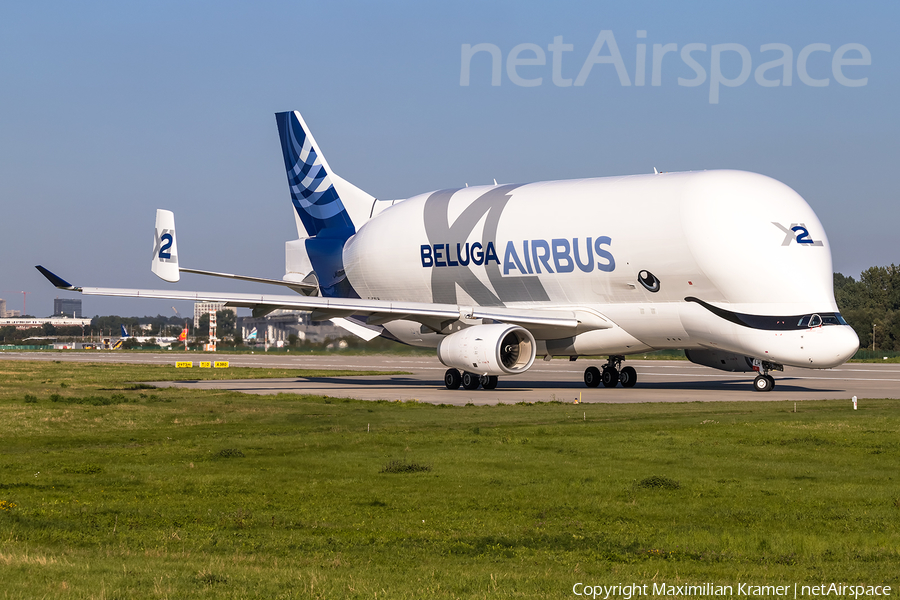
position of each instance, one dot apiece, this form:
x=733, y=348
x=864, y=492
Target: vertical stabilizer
x=323, y=202
x=328, y=209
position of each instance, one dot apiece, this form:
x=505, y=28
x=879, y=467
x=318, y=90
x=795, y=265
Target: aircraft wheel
x=610, y=377
x=489, y=382
x=763, y=383
x=628, y=377
x=452, y=379
x=470, y=381
x=592, y=377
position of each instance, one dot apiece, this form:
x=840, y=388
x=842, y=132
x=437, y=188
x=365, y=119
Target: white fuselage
x=632, y=249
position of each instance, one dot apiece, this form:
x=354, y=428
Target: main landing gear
x=470, y=381
x=611, y=375
x=764, y=382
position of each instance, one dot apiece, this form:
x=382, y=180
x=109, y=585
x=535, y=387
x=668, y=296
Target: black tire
x=628, y=377
x=592, y=377
x=452, y=379
x=763, y=383
x=489, y=382
x=609, y=377
x=470, y=381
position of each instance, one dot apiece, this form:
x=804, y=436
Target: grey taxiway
x=559, y=379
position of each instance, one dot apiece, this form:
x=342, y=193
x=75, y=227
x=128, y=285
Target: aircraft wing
x=543, y=323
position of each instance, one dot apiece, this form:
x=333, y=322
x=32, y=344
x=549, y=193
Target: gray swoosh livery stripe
x=444, y=280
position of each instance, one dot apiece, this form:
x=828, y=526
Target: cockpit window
x=819, y=320
x=833, y=319
x=773, y=323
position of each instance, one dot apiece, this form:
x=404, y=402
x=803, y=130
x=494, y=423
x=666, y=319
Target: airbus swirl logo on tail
x=317, y=203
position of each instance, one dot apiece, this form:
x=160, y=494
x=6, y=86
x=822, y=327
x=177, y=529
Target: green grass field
x=112, y=490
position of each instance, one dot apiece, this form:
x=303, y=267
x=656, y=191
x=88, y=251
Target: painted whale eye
x=649, y=281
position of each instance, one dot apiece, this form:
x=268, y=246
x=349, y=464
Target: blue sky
x=111, y=110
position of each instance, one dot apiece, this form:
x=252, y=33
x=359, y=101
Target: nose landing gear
x=765, y=382
x=611, y=374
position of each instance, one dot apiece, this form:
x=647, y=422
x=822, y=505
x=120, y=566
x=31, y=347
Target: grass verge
x=174, y=493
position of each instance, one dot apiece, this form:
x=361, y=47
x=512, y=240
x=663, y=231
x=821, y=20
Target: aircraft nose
x=842, y=344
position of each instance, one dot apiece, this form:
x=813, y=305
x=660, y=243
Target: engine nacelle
x=497, y=349
x=719, y=359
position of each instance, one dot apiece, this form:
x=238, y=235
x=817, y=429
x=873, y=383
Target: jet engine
x=497, y=349
x=719, y=359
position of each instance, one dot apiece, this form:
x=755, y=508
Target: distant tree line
x=873, y=300
x=135, y=325
x=111, y=327
x=108, y=326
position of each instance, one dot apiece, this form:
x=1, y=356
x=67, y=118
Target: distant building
x=2, y=308
x=14, y=313
x=69, y=307
x=204, y=308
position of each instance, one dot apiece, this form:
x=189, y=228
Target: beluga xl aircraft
x=732, y=267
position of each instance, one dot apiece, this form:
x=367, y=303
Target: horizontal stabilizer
x=301, y=287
